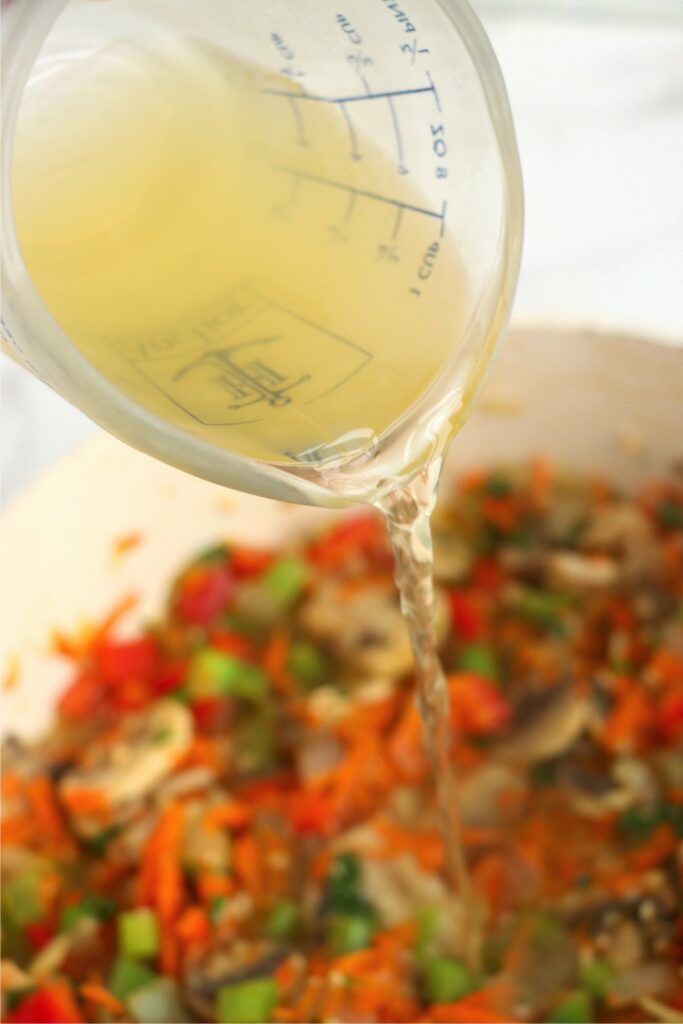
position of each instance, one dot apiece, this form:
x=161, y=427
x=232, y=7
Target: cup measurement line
x=300, y=126
x=364, y=193
x=397, y=133
x=354, y=98
x=353, y=138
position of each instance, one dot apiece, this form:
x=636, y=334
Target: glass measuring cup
x=416, y=81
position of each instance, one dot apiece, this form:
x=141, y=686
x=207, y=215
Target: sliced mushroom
x=129, y=769
x=400, y=888
x=481, y=791
x=546, y=726
x=591, y=793
x=13, y=977
x=594, y=792
x=328, y=705
x=622, y=530
x=203, y=849
x=316, y=754
x=368, y=633
x=570, y=570
x=659, y=1011
x=224, y=964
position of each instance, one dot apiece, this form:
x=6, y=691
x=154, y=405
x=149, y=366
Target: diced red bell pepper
x=363, y=534
x=312, y=813
x=83, y=698
x=38, y=934
x=131, y=695
x=53, y=1004
x=467, y=619
x=477, y=705
x=231, y=643
x=487, y=575
x=205, y=592
x=211, y=713
x=170, y=678
x=670, y=717
x=249, y=562
x=119, y=660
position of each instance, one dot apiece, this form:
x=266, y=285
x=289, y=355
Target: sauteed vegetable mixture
x=233, y=817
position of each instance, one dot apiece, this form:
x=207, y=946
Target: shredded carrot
x=127, y=542
x=426, y=847
x=12, y=785
x=540, y=484
x=40, y=794
x=660, y=845
x=503, y=513
x=99, y=996
x=202, y=753
x=628, y=725
x=10, y=679
x=169, y=956
x=469, y=1009
x=275, y=662
x=17, y=831
x=232, y=815
x=210, y=885
x=472, y=481
x=193, y=927
x=160, y=880
x=248, y=865
x=87, y=802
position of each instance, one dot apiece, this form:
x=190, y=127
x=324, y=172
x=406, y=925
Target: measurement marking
x=348, y=99
x=397, y=132
x=363, y=192
x=397, y=223
x=442, y=215
x=298, y=117
x=366, y=85
x=433, y=88
x=350, y=208
x=355, y=152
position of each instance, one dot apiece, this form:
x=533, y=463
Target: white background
x=598, y=104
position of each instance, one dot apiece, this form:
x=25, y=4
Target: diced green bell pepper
x=576, y=1008
x=307, y=663
x=284, y=920
x=445, y=980
x=286, y=580
x=247, y=1002
x=349, y=932
x=480, y=659
x=670, y=515
x=640, y=822
x=21, y=895
x=127, y=976
x=98, y=908
x=216, y=674
x=158, y=1002
x=255, y=746
x=427, y=929
x=14, y=997
x=138, y=932
x=596, y=977
x=542, y=608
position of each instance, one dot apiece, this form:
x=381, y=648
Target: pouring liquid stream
x=407, y=511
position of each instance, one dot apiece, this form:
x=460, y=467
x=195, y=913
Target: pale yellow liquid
x=166, y=210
